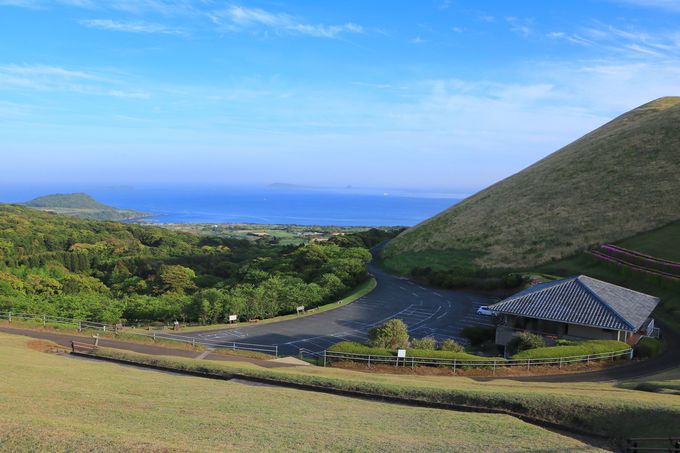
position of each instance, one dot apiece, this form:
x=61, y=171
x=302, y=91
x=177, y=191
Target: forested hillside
x=106, y=271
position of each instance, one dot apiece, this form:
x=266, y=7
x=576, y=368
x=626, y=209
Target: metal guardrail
x=329, y=356
x=80, y=324
x=265, y=348
x=47, y=319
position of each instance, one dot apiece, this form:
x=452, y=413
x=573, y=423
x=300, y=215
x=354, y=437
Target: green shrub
x=353, y=347
x=428, y=343
x=451, y=345
x=563, y=342
x=393, y=334
x=648, y=347
x=579, y=348
x=523, y=341
x=478, y=335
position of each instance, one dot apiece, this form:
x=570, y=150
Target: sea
x=263, y=205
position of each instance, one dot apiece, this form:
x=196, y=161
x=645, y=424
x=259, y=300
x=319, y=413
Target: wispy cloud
x=55, y=78
x=521, y=26
x=233, y=18
x=132, y=27
x=667, y=5
x=628, y=42
x=44, y=4
x=238, y=18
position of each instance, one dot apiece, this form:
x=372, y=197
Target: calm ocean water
x=259, y=205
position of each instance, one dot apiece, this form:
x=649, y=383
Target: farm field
x=56, y=403
x=280, y=234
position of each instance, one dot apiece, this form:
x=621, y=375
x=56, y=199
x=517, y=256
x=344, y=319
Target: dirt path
x=64, y=339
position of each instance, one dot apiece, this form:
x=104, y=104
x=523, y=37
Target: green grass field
x=661, y=243
x=436, y=259
x=658, y=243
x=602, y=408
x=59, y=404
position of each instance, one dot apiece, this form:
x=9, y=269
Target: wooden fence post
x=324, y=358
x=9, y=317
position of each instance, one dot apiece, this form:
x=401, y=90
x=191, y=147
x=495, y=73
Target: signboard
x=401, y=353
x=301, y=308
x=233, y=318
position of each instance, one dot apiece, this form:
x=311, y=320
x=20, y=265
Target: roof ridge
x=619, y=286
x=557, y=283
x=602, y=301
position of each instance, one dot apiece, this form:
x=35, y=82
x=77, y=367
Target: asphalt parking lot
x=426, y=311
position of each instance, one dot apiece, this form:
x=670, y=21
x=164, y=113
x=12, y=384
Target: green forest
x=108, y=271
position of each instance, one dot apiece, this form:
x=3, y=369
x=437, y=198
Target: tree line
x=108, y=271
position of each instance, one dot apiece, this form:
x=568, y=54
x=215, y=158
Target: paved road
x=426, y=311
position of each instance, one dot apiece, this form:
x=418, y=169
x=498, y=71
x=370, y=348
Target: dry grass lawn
x=54, y=403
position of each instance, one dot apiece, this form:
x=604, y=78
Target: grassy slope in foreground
x=83, y=206
x=617, y=181
x=58, y=404
x=595, y=407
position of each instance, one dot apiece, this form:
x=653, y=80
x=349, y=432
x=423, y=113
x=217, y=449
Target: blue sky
x=419, y=94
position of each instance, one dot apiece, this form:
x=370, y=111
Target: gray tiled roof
x=581, y=300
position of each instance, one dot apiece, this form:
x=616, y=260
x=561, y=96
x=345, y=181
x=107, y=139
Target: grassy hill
x=615, y=182
x=53, y=403
x=82, y=205
x=662, y=243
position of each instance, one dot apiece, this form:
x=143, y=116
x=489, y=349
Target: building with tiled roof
x=577, y=307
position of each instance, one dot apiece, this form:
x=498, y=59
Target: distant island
x=83, y=206
x=283, y=185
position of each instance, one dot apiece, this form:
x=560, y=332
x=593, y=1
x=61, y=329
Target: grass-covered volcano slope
x=617, y=181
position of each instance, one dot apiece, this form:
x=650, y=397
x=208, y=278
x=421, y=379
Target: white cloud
x=132, y=27
x=521, y=26
x=55, y=78
x=237, y=18
x=232, y=18
x=667, y=5
x=628, y=42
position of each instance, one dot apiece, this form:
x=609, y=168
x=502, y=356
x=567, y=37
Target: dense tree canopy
x=107, y=271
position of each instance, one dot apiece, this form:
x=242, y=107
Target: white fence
x=47, y=319
x=456, y=364
x=81, y=325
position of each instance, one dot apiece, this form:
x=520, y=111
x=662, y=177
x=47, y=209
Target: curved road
x=426, y=311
